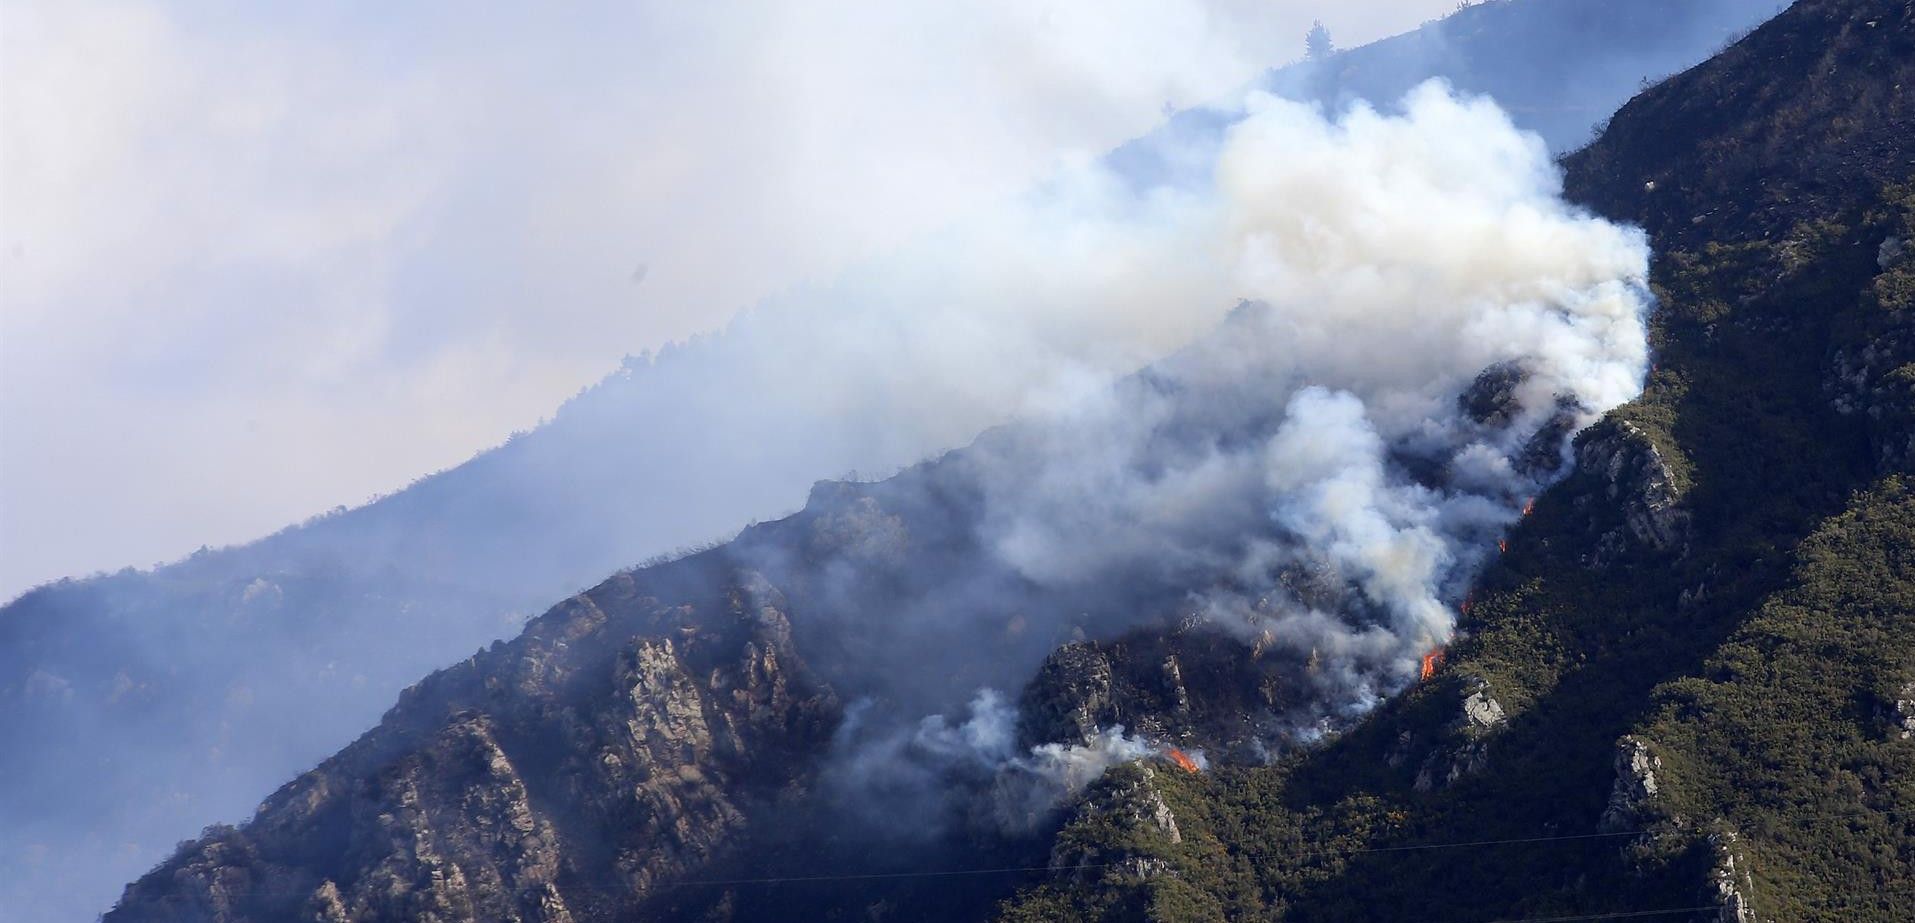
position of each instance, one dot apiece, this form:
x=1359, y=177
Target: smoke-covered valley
x=1364, y=337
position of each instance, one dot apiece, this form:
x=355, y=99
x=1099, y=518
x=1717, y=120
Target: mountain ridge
x=1701, y=717
x=426, y=583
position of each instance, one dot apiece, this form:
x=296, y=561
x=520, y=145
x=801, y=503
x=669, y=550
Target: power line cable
x=1081, y=866
x=1312, y=853
x=1613, y=916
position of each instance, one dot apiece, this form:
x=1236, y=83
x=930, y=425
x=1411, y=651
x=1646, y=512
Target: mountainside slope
x=158, y=700
x=1686, y=687
x=1233, y=552
x=646, y=729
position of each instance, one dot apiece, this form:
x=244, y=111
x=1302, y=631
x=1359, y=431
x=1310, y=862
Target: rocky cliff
x=1679, y=691
x=1697, y=644
x=628, y=737
x=219, y=676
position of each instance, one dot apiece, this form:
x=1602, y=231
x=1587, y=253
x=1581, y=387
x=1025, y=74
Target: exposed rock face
x=1447, y=766
x=647, y=729
x=1482, y=712
x=1465, y=744
x=1130, y=800
x=1635, y=788
x=1875, y=379
x=1236, y=700
x=1899, y=715
x=1635, y=480
x=557, y=778
x=1071, y=697
x=1729, y=884
x=456, y=838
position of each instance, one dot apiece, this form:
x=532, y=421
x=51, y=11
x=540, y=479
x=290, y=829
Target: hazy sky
x=260, y=260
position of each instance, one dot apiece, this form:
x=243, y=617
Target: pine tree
x=1317, y=44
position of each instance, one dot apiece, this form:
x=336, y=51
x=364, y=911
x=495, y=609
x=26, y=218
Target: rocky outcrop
x=1071, y=697
x=1447, y=766
x=1481, y=711
x=1898, y=715
x=1630, y=493
x=1635, y=788
x=1185, y=682
x=1464, y=747
x=625, y=739
x=1729, y=886
x=1129, y=801
x=455, y=837
x=1875, y=381
x=1874, y=378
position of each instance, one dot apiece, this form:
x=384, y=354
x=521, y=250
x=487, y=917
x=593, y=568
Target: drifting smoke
x=1301, y=465
x=1393, y=260
x=976, y=767
x=1426, y=324
x=222, y=693
x=1456, y=264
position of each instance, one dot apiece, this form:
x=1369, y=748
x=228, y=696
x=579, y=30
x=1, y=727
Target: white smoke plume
x=1426, y=325
x=897, y=772
x=1393, y=259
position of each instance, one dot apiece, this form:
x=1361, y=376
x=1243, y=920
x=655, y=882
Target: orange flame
x=1469, y=602
x=1431, y=661
x=1529, y=506
x=1181, y=759
x=1502, y=544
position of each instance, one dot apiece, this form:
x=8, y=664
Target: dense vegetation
x=1759, y=657
x=1686, y=689
x=158, y=700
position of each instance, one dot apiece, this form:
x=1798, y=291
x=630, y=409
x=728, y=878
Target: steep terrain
x=1686, y=687
x=157, y=700
x=701, y=718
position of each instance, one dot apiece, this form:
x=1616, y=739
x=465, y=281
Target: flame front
x=1529, y=506
x=1181, y=759
x=1431, y=661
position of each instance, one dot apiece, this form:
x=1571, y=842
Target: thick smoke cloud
x=1426, y=325
x=1390, y=258
x=393, y=237
x=268, y=237
x=1393, y=259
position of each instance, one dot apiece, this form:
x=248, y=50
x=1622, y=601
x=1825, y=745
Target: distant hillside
x=159, y=701
x=1560, y=67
